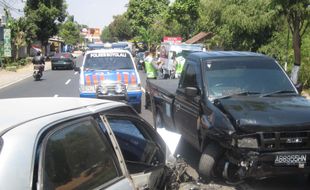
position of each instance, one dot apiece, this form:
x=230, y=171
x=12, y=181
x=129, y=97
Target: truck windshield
x=108, y=61
x=226, y=77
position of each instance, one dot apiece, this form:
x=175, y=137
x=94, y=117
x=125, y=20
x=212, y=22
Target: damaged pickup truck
x=240, y=110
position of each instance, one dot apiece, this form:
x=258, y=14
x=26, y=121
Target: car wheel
x=208, y=160
x=137, y=107
x=53, y=68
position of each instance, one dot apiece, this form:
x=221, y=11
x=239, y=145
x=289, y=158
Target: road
x=64, y=83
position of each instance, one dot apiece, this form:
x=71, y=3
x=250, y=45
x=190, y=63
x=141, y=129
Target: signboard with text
x=7, y=49
x=174, y=40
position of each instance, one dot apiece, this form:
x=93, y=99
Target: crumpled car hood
x=254, y=114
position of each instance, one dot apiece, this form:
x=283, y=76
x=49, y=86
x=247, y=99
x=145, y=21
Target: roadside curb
x=8, y=78
x=16, y=81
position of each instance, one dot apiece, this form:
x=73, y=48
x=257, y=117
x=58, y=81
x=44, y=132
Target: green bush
x=304, y=75
x=22, y=62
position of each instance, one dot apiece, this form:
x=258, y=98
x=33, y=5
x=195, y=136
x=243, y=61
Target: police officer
x=151, y=71
x=180, y=61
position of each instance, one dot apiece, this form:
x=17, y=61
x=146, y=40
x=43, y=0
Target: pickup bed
x=240, y=110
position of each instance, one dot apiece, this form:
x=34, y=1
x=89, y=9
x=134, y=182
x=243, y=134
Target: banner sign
x=175, y=40
x=7, y=49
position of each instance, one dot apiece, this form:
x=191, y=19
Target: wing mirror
x=191, y=91
x=78, y=69
x=299, y=87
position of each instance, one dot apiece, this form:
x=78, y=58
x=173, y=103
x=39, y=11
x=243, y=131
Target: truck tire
x=208, y=160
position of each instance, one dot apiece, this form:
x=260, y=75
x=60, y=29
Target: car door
x=142, y=148
x=186, y=109
x=77, y=155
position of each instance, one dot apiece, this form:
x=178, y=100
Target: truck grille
x=285, y=140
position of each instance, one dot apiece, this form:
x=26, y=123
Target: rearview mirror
x=299, y=87
x=78, y=69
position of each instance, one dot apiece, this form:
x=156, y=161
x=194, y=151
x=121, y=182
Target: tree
x=143, y=13
x=120, y=28
x=186, y=13
x=22, y=32
x=70, y=32
x=239, y=25
x=297, y=13
x=106, y=35
x=46, y=14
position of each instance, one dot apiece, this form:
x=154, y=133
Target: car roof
x=223, y=54
x=16, y=111
x=108, y=50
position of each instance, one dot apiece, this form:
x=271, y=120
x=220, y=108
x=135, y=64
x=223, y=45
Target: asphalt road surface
x=64, y=83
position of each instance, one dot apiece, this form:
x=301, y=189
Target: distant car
x=139, y=59
x=63, y=60
x=78, y=143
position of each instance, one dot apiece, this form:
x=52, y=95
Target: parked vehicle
x=38, y=71
x=240, y=110
x=63, y=60
x=111, y=74
x=75, y=143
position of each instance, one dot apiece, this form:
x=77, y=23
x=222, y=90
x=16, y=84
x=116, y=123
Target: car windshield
x=226, y=77
x=108, y=61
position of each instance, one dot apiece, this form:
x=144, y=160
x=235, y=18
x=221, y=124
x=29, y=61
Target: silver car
x=73, y=143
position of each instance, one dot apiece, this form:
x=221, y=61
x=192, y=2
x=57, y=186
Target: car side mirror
x=299, y=87
x=191, y=91
x=78, y=69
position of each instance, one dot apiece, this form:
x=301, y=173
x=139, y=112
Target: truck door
x=186, y=109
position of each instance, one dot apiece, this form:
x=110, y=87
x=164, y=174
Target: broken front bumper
x=267, y=164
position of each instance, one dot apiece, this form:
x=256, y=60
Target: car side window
x=139, y=149
x=189, y=79
x=78, y=156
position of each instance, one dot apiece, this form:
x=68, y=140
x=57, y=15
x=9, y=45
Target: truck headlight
x=118, y=88
x=134, y=87
x=102, y=90
x=87, y=88
x=248, y=142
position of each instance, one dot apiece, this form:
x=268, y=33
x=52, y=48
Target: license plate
x=291, y=159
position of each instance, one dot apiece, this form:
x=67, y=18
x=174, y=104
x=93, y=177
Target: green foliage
x=46, y=14
x=186, y=13
x=143, y=13
x=70, y=32
x=239, y=25
x=120, y=29
x=106, y=35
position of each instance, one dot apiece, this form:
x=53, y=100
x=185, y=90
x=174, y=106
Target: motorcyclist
x=38, y=65
x=38, y=59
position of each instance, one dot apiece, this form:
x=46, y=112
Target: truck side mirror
x=191, y=91
x=299, y=87
x=78, y=69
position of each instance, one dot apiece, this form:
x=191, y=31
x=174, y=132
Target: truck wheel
x=208, y=160
x=137, y=107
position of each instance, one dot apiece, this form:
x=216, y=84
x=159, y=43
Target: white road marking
x=68, y=81
x=143, y=90
x=56, y=95
x=76, y=73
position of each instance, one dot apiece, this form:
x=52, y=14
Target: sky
x=96, y=13
x=93, y=13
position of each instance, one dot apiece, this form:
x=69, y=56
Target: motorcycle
x=38, y=71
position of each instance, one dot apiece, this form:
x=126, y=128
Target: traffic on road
x=152, y=95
